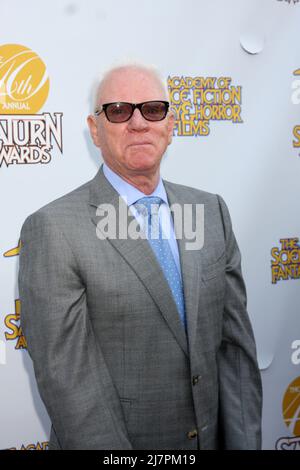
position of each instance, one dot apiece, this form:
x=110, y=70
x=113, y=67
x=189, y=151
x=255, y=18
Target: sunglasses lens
x=122, y=112
x=118, y=112
x=154, y=110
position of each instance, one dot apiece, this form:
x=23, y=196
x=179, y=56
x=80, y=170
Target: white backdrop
x=253, y=164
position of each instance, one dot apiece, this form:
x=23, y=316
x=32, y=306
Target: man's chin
x=142, y=163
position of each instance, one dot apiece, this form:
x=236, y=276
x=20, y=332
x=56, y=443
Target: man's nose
x=137, y=121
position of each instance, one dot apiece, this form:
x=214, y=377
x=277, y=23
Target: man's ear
x=91, y=120
x=171, y=122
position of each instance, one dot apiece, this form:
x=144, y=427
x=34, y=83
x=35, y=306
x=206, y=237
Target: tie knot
x=148, y=205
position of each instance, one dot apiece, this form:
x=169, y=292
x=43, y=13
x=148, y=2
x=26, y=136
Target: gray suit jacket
x=113, y=364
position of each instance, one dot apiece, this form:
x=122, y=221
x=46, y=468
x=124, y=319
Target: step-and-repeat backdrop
x=233, y=71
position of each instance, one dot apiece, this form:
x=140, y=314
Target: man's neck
x=144, y=183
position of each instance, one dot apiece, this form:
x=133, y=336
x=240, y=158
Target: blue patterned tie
x=148, y=207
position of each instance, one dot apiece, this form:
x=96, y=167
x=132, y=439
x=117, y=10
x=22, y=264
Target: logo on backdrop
x=37, y=446
x=291, y=416
x=296, y=100
x=12, y=323
x=24, y=81
x=14, y=251
x=25, y=136
x=285, y=264
x=12, y=320
x=196, y=101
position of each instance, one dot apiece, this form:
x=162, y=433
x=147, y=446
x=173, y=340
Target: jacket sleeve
x=72, y=377
x=240, y=388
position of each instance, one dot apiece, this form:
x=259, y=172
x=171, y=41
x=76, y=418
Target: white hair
x=150, y=69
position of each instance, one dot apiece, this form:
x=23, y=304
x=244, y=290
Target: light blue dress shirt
x=130, y=194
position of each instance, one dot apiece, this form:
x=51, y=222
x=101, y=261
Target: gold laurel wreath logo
x=24, y=81
x=291, y=407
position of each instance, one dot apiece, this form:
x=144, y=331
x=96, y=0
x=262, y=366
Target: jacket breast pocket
x=215, y=269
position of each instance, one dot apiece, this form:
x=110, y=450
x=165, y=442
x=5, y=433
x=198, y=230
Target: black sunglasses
x=122, y=111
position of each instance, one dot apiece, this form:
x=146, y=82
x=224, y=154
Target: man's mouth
x=139, y=143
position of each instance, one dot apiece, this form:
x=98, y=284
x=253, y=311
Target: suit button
x=196, y=379
x=192, y=434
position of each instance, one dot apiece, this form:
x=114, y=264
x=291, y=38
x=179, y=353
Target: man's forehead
x=124, y=83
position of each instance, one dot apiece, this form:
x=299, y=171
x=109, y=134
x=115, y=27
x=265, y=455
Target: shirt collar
x=129, y=192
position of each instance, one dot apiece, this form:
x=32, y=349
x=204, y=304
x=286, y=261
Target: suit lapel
x=139, y=255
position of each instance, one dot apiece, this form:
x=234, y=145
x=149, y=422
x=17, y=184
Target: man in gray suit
x=138, y=343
